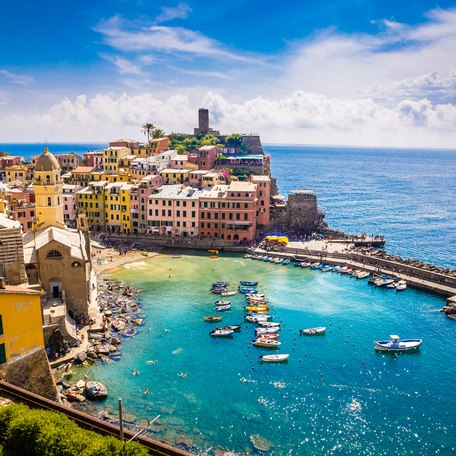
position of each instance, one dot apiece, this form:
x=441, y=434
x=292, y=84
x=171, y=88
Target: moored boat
x=248, y=290
x=231, y=327
x=313, y=331
x=218, y=332
x=257, y=318
x=212, y=318
x=223, y=308
x=362, y=275
x=279, y=358
x=286, y=261
x=270, y=330
x=270, y=324
x=267, y=343
x=395, y=344
x=228, y=293
x=248, y=284
x=346, y=271
x=222, y=303
x=269, y=336
x=401, y=285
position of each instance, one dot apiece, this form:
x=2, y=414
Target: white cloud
x=14, y=78
x=181, y=11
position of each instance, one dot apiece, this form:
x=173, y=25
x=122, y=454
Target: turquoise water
x=304, y=406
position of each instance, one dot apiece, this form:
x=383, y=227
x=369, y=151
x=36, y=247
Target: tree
x=146, y=129
x=157, y=133
x=234, y=140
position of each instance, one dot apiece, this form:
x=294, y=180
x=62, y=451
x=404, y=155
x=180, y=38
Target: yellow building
x=81, y=175
x=111, y=157
x=16, y=172
x=122, y=176
x=20, y=322
x=125, y=209
x=91, y=203
x=48, y=188
x=175, y=176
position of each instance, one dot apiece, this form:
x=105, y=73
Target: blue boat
x=248, y=284
x=246, y=290
x=286, y=261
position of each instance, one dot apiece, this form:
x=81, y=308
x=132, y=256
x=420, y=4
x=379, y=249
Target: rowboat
x=218, y=290
x=286, y=261
x=222, y=303
x=254, y=296
x=395, y=344
x=267, y=343
x=256, y=308
x=221, y=333
x=231, y=327
x=248, y=284
x=228, y=293
x=306, y=264
x=223, y=308
x=313, y=331
x=346, y=271
x=257, y=318
x=269, y=336
x=401, y=285
x=212, y=318
x=258, y=312
x=279, y=358
x=220, y=284
x=362, y=275
x=271, y=330
x=249, y=290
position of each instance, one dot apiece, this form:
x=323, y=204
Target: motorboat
x=248, y=284
x=391, y=285
x=346, y=271
x=326, y=268
x=355, y=272
x=268, y=343
x=306, y=264
x=212, y=318
x=249, y=290
x=401, y=285
x=248, y=256
x=395, y=344
x=279, y=261
x=362, y=275
x=218, y=332
x=336, y=269
x=231, y=327
x=270, y=324
x=254, y=295
x=315, y=266
x=384, y=281
x=271, y=330
x=218, y=290
x=286, y=261
x=222, y=303
x=257, y=318
x=269, y=336
x=254, y=309
x=313, y=331
x=223, y=308
x=228, y=293
x=279, y=358
x=220, y=284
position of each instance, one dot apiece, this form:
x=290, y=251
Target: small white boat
x=221, y=333
x=401, y=285
x=355, y=272
x=223, y=308
x=395, y=344
x=279, y=358
x=228, y=293
x=270, y=324
x=362, y=275
x=255, y=296
x=257, y=318
x=313, y=331
x=270, y=330
x=222, y=303
x=268, y=343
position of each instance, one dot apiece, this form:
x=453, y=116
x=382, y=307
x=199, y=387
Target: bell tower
x=48, y=187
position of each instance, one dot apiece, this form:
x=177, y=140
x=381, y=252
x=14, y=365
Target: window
x=246, y=216
x=193, y=214
x=238, y=216
x=49, y=201
x=1, y=325
x=2, y=354
x=54, y=254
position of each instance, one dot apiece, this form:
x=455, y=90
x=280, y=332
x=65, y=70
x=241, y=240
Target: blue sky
x=311, y=72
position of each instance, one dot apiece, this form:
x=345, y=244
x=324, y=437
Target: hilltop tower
x=48, y=187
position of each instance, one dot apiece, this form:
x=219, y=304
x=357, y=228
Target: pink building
x=179, y=162
x=195, y=178
x=205, y=157
x=173, y=211
x=263, y=191
x=70, y=204
x=130, y=143
x=93, y=158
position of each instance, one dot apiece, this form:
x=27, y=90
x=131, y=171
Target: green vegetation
x=147, y=128
x=235, y=140
x=28, y=432
x=190, y=143
x=157, y=133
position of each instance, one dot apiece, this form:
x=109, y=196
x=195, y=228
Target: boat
x=269, y=336
x=248, y=256
x=336, y=269
x=391, y=285
x=270, y=324
x=222, y=303
x=253, y=307
x=257, y=312
x=231, y=327
x=218, y=290
x=268, y=343
x=286, y=261
x=228, y=293
x=279, y=261
x=95, y=390
x=256, y=318
x=270, y=330
x=223, y=308
x=248, y=284
x=395, y=344
x=384, y=281
x=401, y=285
x=279, y=358
x=246, y=290
x=220, y=284
x=213, y=251
x=212, y=318
x=315, y=266
x=306, y=264
x=326, y=268
x=313, y=331
x=256, y=296
x=218, y=332
x=346, y=271
x=362, y=275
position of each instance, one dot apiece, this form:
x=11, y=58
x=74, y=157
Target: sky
x=359, y=72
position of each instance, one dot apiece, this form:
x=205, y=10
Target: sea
x=336, y=394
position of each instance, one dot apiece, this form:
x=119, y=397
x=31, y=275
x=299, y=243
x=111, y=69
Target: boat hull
x=401, y=346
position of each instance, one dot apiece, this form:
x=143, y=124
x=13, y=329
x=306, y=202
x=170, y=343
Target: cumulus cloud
x=181, y=11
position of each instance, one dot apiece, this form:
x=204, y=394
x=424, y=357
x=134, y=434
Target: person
x=146, y=391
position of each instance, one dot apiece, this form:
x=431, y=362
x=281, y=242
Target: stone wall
x=12, y=255
x=33, y=373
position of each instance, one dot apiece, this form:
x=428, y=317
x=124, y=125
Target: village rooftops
x=15, y=289
x=7, y=223
x=83, y=169
x=176, y=191
x=241, y=186
x=181, y=157
x=260, y=178
x=174, y=171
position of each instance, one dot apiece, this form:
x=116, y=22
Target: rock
x=80, y=384
x=92, y=354
x=80, y=357
x=95, y=390
x=115, y=341
x=111, y=348
x=184, y=442
x=260, y=443
x=66, y=385
x=75, y=397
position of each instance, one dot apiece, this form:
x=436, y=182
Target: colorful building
x=68, y=162
x=263, y=186
x=111, y=157
x=205, y=157
x=17, y=173
x=90, y=201
x=175, y=176
x=20, y=322
x=158, y=145
x=81, y=175
x=93, y=158
x=70, y=208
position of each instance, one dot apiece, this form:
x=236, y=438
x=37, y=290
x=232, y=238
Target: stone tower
x=203, y=122
x=48, y=187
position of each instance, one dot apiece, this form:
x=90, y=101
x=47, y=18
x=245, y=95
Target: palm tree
x=147, y=128
x=157, y=133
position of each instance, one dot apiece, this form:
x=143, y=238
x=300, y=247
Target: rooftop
x=177, y=191
x=83, y=169
x=18, y=290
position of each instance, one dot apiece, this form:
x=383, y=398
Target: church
x=57, y=258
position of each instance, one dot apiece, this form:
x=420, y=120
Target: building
x=179, y=162
x=111, y=157
x=7, y=161
x=68, y=162
x=174, y=176
x=20, y=322
x=81, y=175
x=70, y=208
x=203, y=124
x=129, y=143
x=144, y=189
x=173, y=211
x=158, y=145
x=263, y=187
x=205, y=157
x=90, y=202
x=16, y=173
x=93, y=158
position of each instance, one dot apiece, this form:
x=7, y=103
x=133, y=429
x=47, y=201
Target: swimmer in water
x=355, y=406
x=151, y=361
x=146, y=391
x=182, y=374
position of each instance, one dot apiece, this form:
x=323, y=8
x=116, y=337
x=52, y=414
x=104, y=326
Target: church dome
x=47, y=162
